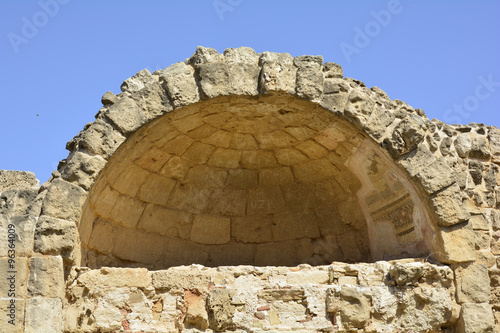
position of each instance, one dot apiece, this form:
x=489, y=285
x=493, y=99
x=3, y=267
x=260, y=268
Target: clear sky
x=58, y=57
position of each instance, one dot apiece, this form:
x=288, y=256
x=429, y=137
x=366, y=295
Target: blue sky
x=58, y=57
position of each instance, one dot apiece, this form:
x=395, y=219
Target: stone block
x=220, y=309
x=12, y=315
x=479, y=148
x=137, y=246
x=274, y=177
x=473, y=284
x=275, y=139
x=129, y=181
x=179, y=81
x=176, y=168
x=179, y=279
x=463, y=145
x=457, y=244
x=16, y=202
x=478, y=222
x=314, y=170
x=82, y=169
x=225, y=158
x=156, y=189
x=276, y=254
x=436, y=176
x=153, y=159
x=355, y=307
x=252, y=229
x=494, y=138
x=13, y=277
x=242, y=179
x=219, y=138
x=242, y=141
x=115, y=277
x=126, y=115
x=127, y=211
x=265, y=201
x=227, y=202
x=190, y=197
x=243, y=69
x=288, y=226
x=166, y=222
x=258, y=159
x=198, y=152
x=64, y=200
x=103, y=236
x=278, y=73
x=20, y=180
x=309, y=82
x=214, y=79
x=55, y=236
x=105, y=201
x=43, y=315
x=206, y=176
x=22, y=229
x=476, y=318
x=290, y=156
x=46, y=277
x=99, y=138
x=210, y=229
x=448, y=206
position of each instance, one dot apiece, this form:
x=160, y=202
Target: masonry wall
x=453, y=170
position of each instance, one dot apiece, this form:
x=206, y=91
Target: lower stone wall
x=396, y=296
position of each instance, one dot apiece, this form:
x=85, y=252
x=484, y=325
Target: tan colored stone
x=290, y=156
x=64, y=200
x=199, y=152
x=265, y=201
x=178, y=145
x=166, y=222
x=202, y=132
x=116, y=277
x=209, y=229
x=296, y=225
x=225, y=158
x=242, y=141
x=252, y=229
x=242, y=179
x=457, y=244
x=276, y=254
x=258, y=159
x=127, y=211
x=103, y=236
x=46, y=277
x=130, y=180
x=43, y=315
x=299, y=197
x=275, y=139
x=206, y=176
x=188, y=197
x=196, y=314
x=312, y=149
x=227, y=202
x=275, y=177
x=176, y=167
x=314, y=170
x=300, y=133
x=219, y=138
x=12, y=315
x=13, y=277
x=473, y=284
x=138, y=246
x=188, y=123
x=106, y=201
x=156, y=189
x=476, y=318
x=331, y=137
x=153, y=159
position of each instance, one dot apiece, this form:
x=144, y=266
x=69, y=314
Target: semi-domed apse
x=252, y=181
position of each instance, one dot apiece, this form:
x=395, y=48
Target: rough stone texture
x=261, y=159
x=476, y=318
x=46, y=277
x=20, y=180
x=63, y=200
x=43, y=315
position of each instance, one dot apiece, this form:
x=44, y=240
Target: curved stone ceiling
x=257, y=181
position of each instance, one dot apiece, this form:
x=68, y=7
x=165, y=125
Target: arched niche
x=237, y=180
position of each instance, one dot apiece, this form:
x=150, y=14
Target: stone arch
x=395, y=176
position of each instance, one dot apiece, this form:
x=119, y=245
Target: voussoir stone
x=278, y=73
x=82, y=169
x=126, y=115
x=64, y=200
x=55, y=236
x=22, y=180
x=180, y=84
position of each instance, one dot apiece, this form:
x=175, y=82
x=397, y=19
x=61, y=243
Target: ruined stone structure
x=252, y=193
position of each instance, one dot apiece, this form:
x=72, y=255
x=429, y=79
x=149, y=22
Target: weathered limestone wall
x=391, y=184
